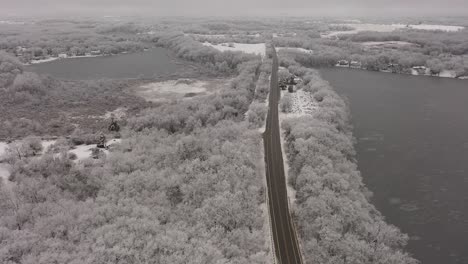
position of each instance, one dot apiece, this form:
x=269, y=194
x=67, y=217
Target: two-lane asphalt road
x=285, y=240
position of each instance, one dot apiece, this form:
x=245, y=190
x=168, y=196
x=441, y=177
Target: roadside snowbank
x=257, y=49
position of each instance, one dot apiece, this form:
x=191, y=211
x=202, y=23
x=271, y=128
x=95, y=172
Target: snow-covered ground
x=257, y=49
x=302, y=103
x=173, y=89
x=118, y=113
x=383, y=43
x=358, y=27
x=307, y=51
x=437, y=27
x=50, y=59
x=84, y=151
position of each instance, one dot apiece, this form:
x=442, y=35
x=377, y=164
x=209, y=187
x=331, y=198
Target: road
x=285, y=240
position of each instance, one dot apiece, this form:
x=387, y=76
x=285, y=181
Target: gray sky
x=236, y=7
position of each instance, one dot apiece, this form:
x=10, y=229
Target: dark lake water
x=149, y=64
x=412, y=145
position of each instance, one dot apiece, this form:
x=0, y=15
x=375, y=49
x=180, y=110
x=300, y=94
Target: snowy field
x=84, y=151
x=257, y=49
x=171, y=90
x=358, y=27
x=295, y=49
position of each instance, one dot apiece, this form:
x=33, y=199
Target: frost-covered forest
x=183, y=187
x=187, y=182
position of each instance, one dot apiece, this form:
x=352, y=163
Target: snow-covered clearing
x=302, y=103
x=358, y=27
x=307, y=51
x=84, y=151
x=118, y=113
x=173, y=89
x=257, y=49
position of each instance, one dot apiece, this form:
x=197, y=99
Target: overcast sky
x=236, y=7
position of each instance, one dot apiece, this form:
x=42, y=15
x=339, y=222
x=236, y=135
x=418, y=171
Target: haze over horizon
x=235, y=7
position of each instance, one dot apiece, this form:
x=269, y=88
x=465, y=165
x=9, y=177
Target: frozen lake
x=149, y=64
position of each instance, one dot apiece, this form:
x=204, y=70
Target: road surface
x=285, y=241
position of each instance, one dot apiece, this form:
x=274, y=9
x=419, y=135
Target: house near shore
x=20, y=51
x=343, y=63
x=394, y=68
x=356, y=64
x=421, y=70
x=96, y=52
x=62, y=55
